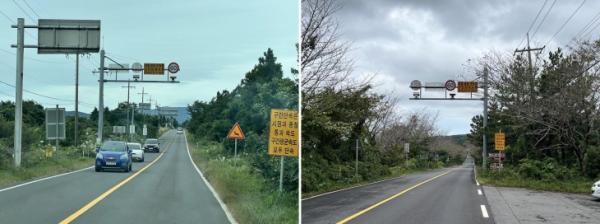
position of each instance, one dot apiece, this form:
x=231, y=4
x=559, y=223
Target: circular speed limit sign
x=173, y=67
x=450, y=85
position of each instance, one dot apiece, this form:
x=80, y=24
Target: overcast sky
x=215, y=43
x=429, y=40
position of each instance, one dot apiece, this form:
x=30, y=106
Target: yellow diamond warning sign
x=283, y=133
x=236, y=132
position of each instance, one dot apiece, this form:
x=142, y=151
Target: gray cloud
x=431, y=40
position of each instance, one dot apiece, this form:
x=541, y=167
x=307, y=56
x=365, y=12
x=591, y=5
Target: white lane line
x=223, y=206
x=45, y=178
x=484, y=212
x=479, y=191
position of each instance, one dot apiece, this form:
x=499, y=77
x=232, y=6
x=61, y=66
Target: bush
x=547, y=169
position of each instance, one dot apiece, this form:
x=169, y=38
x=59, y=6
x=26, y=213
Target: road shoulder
x=519, y=205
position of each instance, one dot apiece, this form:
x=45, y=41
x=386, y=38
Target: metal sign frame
x=59, y=36
x=55, y=122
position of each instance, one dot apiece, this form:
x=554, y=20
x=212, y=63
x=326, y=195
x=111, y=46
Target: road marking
x=45, y=178
x=478, y=191
x=484, y=212
x=353, y=216
x=92, y=203
x=223, y=206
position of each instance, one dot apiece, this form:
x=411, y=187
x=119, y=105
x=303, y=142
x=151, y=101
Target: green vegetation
x=250, y=197
x=38, y=166
x=547, y=175
x=250, y=103
x=551, y=121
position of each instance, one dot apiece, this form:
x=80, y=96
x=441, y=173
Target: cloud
x=429, y=40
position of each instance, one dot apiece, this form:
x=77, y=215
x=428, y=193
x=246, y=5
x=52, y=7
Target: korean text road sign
x=499, y=141
x=467, y=87
x=154, y=69
x=236, y=132
x=283, y=133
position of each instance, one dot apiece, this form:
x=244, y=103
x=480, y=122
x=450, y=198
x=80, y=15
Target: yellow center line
x=353, y=216
x=92, y=203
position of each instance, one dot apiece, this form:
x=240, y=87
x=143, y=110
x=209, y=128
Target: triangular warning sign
x=236, y=132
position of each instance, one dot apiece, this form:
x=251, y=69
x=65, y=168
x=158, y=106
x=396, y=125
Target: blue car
x=113, y=155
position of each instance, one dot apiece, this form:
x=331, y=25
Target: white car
x=137, y=153
x=596, y=189
x=179, y=130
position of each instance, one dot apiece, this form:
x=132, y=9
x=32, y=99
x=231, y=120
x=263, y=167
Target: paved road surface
x=440, y=196
x=168, y=191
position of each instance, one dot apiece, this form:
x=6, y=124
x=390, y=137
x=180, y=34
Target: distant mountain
x=81, y=114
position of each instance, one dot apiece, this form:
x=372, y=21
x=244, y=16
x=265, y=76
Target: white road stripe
x=484, y=212
x=223, y=206
x=478, y=191
x=45, y=178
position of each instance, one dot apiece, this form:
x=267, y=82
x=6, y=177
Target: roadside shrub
x=547, y=169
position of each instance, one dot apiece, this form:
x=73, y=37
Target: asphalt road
x=167, y=191
x=441, y=196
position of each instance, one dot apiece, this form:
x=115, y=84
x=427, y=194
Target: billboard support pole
x=19, y=91
x=101, y=99
x=57, y=134
x=77, y=99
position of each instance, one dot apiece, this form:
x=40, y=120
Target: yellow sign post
x=154, y=69
x=283, y=136
x=467, y=87
x=235, y=133
x=499, y=141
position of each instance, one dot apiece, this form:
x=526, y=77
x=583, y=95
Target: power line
x=23, y=10
x=586, y=28
x=564, y=24
x=13, y=22
x=28, y=6
x=534, y=20
x=45, y=96
x=543, y=19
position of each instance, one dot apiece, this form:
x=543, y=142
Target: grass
x=510, y=179
x=42, y=167
x=248, y=195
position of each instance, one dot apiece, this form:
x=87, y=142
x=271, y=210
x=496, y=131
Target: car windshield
x=134, y=146
x=113, y=146
x=151, y=141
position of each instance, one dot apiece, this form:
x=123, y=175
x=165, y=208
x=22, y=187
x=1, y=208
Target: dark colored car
x=151, y=145
x=113, y=155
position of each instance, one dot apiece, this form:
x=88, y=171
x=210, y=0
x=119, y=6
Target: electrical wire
x=564, y=24
x=45, y=96
x=534, y=20
x=29, y=6
x=23, y=10
x=543, y=19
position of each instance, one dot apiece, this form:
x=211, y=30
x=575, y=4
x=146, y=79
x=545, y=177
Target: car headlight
x=124, y=156
x=99, y=156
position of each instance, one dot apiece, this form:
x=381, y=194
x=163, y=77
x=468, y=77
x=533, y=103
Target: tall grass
x=250, y=197
x=36, y=165
x=509, y=177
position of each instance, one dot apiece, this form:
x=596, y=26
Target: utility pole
x=143, y=93
x=76, y=97
x=19, y=91
x=485, y=116
x=101, y=99
x=129, y=86
x=531, y=73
